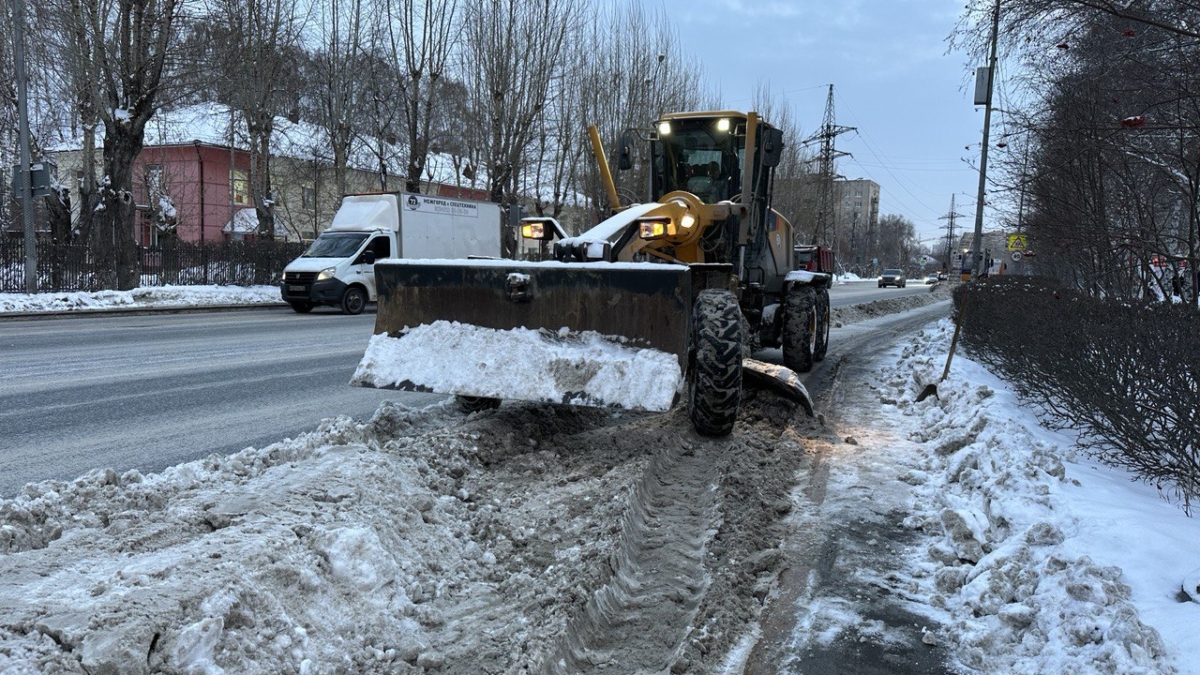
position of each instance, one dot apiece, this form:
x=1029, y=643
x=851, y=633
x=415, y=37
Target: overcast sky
x=894, y=80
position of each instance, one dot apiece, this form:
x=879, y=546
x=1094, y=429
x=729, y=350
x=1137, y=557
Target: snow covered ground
x=1041, y=560
x=145, y=297
x=427, y=540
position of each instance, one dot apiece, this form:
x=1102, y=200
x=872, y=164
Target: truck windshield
x=698, y=157
x=335, y=245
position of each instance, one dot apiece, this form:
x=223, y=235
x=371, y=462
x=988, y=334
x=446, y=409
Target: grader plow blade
x=597, y=334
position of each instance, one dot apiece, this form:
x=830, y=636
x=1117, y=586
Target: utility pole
x=830, y=130
x=25, y=191
x=949, y=217
x=977, y=242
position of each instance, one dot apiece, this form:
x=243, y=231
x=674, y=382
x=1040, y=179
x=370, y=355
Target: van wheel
x=301, y=307
x=716, y=381
x=354, y=300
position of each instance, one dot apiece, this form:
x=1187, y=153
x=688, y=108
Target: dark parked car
x=892, y=278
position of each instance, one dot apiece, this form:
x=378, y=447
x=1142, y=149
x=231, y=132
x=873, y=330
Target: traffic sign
x=40, y=176
x=1016, y=242
x=1016, y=256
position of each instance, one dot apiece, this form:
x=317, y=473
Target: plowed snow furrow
x=634, y=623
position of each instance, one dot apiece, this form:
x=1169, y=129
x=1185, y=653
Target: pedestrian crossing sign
x=1016, y=242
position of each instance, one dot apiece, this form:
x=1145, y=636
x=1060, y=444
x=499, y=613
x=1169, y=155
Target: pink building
x=204, y=185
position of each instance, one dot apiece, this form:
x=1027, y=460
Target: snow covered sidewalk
x=1043, y=561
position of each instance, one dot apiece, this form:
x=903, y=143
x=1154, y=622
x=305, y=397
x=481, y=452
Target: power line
x=949, y=217
x=886, y=166
x=828, y=133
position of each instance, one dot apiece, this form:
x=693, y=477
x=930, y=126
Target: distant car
x=892, y=278
x=942, y=276
x=931, y=280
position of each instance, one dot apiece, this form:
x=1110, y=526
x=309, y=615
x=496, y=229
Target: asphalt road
x=858, y=292
x=152, y=391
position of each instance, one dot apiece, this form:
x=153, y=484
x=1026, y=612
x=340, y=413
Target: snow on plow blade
x=597, y=334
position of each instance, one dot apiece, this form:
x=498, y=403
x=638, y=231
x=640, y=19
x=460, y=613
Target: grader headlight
x=541, y=228
x=532, y=231
x=656, y=228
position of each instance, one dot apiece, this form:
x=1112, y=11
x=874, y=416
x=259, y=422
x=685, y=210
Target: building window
x=239, y=180
x=154, y=180
x=308, y=198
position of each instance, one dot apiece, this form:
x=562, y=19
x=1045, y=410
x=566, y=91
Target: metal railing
x=75, y=267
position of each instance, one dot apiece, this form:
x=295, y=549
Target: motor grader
x=662, y=303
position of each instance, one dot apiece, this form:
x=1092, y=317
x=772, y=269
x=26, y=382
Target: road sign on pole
x=1016, y=242
x=39, y=179
x=26, y=194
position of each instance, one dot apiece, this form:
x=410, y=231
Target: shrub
x=1124, y=373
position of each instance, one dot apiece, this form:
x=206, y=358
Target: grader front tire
x=716, y=385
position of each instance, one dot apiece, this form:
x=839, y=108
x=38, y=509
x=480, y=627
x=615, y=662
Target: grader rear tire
x=821, y=343
x=799, y=327
x=716, y=384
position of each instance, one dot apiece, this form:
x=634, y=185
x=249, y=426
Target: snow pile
x=144, y=297
x=563, y=367
x=1010, y=564
x=319, y=550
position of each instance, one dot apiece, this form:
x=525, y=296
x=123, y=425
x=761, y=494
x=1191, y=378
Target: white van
x=338, y=268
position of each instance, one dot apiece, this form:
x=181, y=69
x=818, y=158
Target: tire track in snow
x=634, y=623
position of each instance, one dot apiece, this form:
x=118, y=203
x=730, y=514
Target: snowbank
x=148, y=296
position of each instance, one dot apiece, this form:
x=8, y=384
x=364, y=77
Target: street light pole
x=977, y=241
x=25, y=191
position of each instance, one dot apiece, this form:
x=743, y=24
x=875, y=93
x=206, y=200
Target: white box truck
x=338, y=269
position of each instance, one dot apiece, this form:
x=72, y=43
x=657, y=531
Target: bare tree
x=1109, y=161
x=116, y=53
x=795, y=185
x=421, y=37
x=259, y=42
x=514, y=52
x=631, y=67
x=897, y=240
x=338, y=86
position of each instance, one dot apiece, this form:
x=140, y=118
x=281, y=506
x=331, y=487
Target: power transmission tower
x=825, y=224
x=949, y=217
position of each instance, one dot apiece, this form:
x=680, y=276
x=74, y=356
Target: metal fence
x=74, y=267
